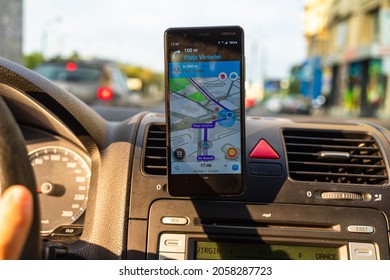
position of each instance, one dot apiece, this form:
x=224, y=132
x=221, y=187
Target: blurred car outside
x=288, y=104
x=94, y=82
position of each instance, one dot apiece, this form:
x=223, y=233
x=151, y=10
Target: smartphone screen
x=205, y=110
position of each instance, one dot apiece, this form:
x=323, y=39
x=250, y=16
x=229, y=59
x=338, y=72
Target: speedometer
x=63, y=178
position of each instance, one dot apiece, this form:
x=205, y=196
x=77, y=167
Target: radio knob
x=341, y=196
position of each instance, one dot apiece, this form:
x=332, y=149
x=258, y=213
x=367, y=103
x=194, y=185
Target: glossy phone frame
x=206, y=184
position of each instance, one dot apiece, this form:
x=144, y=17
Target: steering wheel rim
x=15, y=168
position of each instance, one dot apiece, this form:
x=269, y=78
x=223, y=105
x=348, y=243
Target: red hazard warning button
x=263, y=150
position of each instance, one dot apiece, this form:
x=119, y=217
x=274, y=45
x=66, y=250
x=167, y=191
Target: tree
x=33, y=59
x=294, y=79
x=149, y=77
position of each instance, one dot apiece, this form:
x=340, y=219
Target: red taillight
x=71, y=66
x=104, y=93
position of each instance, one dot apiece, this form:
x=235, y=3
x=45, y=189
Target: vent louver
x=155, y=160
x=334, y=157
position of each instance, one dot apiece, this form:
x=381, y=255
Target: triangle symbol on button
x=263, y=150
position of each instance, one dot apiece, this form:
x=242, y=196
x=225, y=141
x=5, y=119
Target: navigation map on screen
x=205, y=117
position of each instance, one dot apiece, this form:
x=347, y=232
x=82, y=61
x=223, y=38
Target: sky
x=131, y=31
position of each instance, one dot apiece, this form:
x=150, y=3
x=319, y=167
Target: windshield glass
x=311, y=57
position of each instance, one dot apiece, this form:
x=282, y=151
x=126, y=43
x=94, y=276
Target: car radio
x=209, y=230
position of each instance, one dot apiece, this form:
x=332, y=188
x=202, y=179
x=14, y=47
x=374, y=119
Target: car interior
x=313, y=189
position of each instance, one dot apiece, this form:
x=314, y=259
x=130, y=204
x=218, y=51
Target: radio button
x=174, y=221
x=361, y=229
x=362, y=251
x=171, y=256
x=172, y=243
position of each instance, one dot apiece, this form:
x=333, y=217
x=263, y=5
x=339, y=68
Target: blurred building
x=11, y=30
x=350, y=39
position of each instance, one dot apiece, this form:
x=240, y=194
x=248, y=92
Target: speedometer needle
x=48, y=188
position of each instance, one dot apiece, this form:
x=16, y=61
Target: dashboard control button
x=172, y=243
x=360, y=229
x=362, y=251
x=171, y=256
x=174, y=221
x=341, y=196
x=263, y=150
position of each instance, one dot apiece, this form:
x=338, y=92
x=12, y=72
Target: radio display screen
x=209, y=250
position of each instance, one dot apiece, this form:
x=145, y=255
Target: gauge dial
x=63, y=178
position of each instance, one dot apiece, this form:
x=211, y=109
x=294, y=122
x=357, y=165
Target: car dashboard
x=313, y=189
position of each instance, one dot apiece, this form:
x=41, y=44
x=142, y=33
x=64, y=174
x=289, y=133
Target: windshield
x=311, y=57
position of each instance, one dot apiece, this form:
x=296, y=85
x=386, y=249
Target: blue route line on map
x=206, y=93
x=206, y=126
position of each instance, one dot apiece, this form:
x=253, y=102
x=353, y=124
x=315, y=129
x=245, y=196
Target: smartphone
x=204, y=86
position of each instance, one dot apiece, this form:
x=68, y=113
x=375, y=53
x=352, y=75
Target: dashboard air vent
x=155, y=161
x=334, y=157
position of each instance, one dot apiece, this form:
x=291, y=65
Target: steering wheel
x=15, y=168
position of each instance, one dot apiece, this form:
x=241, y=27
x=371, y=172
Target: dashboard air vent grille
x=334, y=157
x=155, y=161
